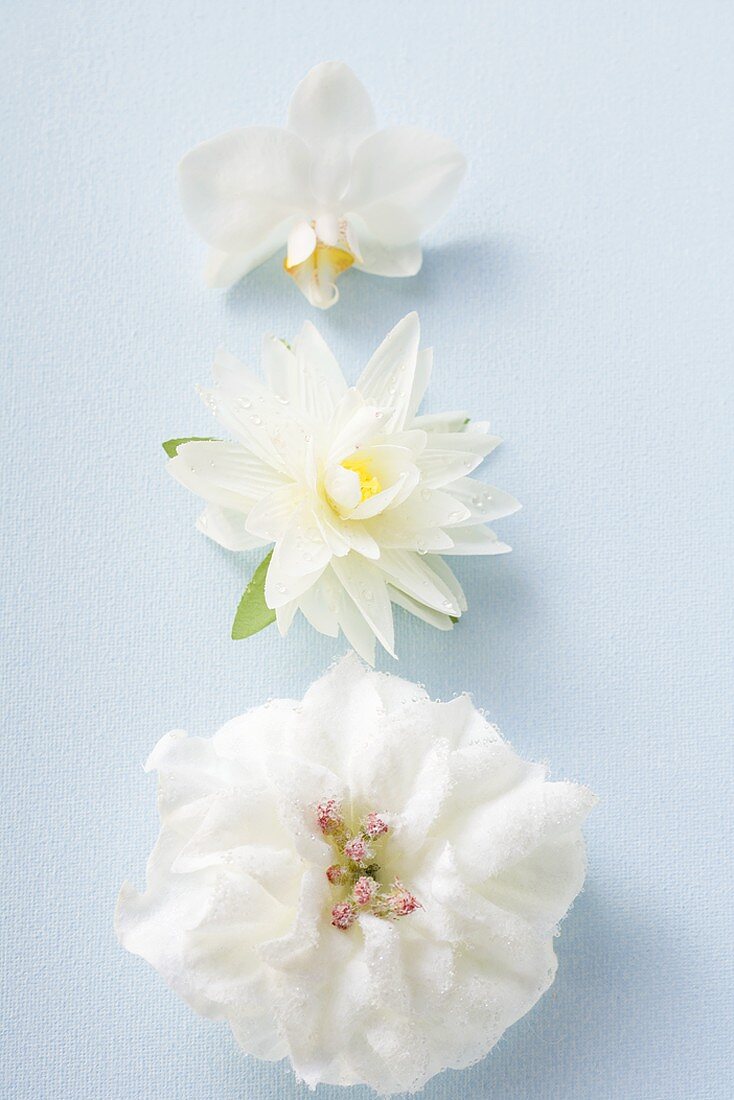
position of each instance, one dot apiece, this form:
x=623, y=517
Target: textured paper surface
x=577, y=295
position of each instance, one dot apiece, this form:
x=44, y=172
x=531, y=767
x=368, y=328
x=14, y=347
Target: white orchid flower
x=358, y=493
x=334, y=190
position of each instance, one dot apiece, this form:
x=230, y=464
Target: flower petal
x=444, y=571
x=318, y=603
x=331, y=107
x=281, y=586
x=223, y=269
x=442, y=467
x=228, y=528
x=332, y=112
x=402, y=181
x=230, y=466
x=476, y=540
x=318, y=384
x=366, y=586
x=387, y=380
x=357, y=630
x=271, y=516
x=423, y=368
x=397, y=262
x=420, y=610
x=187, y=476
x=302, y=547
x=240, y=188
x=414, y=575
x=484, y=502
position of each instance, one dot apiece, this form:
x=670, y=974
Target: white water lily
x=329, y=187
x=365, y=882
x=359, y=494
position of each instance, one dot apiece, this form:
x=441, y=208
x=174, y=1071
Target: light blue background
x=578, y=294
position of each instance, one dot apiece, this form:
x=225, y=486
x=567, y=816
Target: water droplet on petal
x=282, y=589
x=256, y=419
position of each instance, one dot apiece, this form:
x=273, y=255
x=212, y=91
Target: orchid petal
x=402, y=181
x=224, y=269
x=331, y=112
x=240, y=188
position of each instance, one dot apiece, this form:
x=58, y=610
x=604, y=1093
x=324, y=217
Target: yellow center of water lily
x=369, y=485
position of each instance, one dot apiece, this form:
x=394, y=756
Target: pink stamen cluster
x=343, y=915
x=365, y=889
x=375, y=825
x=358, y=850
x=329, y=816
x=356, y=870
x=401, y=901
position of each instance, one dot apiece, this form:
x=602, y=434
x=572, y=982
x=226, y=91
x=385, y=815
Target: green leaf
x=454, y=618
x=172, y=445
x=253, y=613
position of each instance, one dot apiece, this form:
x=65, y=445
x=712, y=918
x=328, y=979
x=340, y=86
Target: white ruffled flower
x=337, y=192
x=412, y=952
x=359, y=494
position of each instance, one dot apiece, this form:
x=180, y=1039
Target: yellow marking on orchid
x=320, y=271
x=369, y=485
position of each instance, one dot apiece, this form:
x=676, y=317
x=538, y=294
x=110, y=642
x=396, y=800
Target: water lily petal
x=484, y=502
x=228, y=528
x=270, y=517
x=239, y=188
x=445, y=572
x=281, y=586
x=414, y=575
x=318, y=383
x=356, y=629
x=441, y=467
x=232, y=467
x=420, y=610
x=187, y=476
x=366, y=586
x=476, y=540
x=318, y=605
x=402, y=181
x=302, y=547
x=387, y=380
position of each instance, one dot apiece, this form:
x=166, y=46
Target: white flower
x=358, y=493
x=384, y=971
x=333, y=189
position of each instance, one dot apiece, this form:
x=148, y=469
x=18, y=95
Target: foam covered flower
x=359, y=494
x=330, y=188
x=366, y=882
